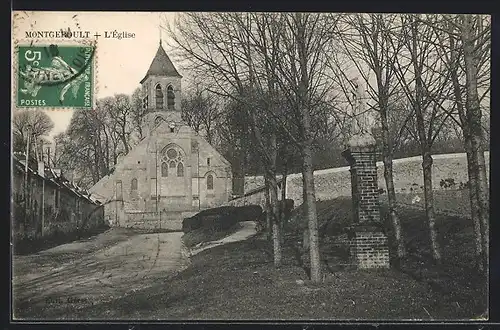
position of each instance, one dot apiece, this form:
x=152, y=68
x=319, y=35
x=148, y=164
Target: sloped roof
x=161, y=66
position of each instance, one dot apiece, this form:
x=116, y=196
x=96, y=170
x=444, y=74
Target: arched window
x=172, y=164
x=133, y=184
x=164, y=169
x=180, y=169
x=159, y=97
x=170, y=98
x=210, y=182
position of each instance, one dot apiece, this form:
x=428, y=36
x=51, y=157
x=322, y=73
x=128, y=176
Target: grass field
x=448, y=201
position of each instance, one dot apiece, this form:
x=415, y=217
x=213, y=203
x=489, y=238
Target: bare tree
x=138, y=113
x=423, y=79
x=218, y=45
x=201, y=112
x=464, y=44
x=120, y=110
x=302, y=79
x=36, y=123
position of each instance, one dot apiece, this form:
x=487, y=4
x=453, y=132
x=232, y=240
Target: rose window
x=173, y=157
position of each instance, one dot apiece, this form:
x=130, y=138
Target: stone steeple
x=162, y=91
x=161, y=66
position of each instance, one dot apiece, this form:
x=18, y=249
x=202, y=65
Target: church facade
x=173, y=169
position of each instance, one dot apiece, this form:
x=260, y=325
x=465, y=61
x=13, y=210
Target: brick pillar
x=368, y=243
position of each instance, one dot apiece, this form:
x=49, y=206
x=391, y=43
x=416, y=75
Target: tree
x=465, y=43
x=217, y=45
x=424, y=80
x=201, y=112
x=275, y=56
x=96, y=139
x=138, y=113
x=35, y=123
x=302, y=79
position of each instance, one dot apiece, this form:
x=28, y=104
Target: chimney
x=41, y=169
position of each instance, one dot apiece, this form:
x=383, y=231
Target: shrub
x=218, y=222
x=247, y=213
x=215, y=218
x=222, y=218
x=447, y=183
x=192, y=223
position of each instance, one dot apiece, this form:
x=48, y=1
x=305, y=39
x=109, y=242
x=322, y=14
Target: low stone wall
x=336, y=182
x=253, y=197
x=153, y=220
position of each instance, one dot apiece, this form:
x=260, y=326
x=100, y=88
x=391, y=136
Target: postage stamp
x=58, y=74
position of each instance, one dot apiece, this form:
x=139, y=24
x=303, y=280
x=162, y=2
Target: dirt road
x=54, y=283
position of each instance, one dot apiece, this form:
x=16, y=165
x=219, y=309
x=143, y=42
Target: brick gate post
x=368, y=243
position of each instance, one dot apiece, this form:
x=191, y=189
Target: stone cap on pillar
x=359, y=143
x=362, y=141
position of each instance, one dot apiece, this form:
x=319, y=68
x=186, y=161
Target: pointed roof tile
x=161, y=66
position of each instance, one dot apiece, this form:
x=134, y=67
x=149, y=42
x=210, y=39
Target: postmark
x=58, y=74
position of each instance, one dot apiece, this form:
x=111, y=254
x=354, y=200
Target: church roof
x=161, y=66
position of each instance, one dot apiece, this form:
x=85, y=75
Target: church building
x=173, y=169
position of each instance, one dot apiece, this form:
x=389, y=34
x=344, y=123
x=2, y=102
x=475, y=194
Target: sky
x=121, y=64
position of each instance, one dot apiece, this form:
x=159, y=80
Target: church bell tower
x=161, y=90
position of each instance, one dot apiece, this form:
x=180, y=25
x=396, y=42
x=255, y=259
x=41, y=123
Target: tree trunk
x=429, y=205
x=273, y=185
x=275, y=219
x=474, y=205
x=389, y=182
x=305, y=234
x=312, y=220
x=268, y=208
x=473, y=108
x=483, y=201
x=283, y=205
x=472, y=167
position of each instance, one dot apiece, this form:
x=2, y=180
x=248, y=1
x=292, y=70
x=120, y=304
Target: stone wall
x=153, y=220
x=253, y=197
x=336, y=182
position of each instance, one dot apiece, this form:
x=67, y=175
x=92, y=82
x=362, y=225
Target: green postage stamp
x=53, y=75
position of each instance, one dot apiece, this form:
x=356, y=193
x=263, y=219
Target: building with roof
x=173, y=169
x=45, y=202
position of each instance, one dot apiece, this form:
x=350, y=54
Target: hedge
x=221, y=218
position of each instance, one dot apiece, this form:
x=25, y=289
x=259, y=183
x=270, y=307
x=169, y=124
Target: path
x=248, y=229
x=103, y=268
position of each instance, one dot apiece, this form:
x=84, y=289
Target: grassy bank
x=238, y=281
x=203, y=235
